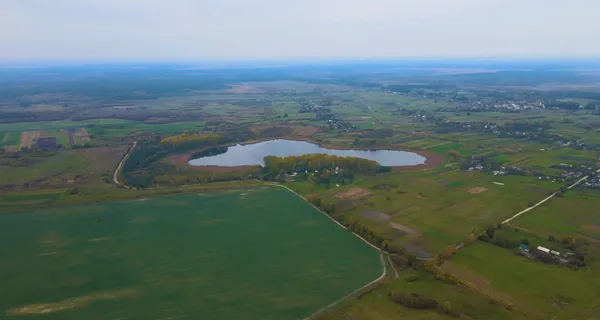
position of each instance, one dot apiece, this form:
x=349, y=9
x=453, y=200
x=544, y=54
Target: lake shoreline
x=183, y=160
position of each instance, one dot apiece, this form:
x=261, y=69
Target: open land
x=74, y=260
x=497, y=141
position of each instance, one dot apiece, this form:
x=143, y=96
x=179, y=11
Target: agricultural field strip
x=545, y=200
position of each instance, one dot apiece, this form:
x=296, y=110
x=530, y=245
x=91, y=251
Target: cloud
x=245, y=29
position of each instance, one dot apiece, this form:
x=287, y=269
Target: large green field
x=254, y=254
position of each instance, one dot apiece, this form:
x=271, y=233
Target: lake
x=254, y=154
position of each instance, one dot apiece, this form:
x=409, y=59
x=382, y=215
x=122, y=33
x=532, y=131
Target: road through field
x=120, y=167
x=546, y=200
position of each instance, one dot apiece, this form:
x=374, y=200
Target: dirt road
x=546, y=200
x=120, y=167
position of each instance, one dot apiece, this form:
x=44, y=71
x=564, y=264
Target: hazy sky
x=281, y=29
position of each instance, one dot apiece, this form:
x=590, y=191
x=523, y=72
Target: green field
x=52, y=165
x=253, y=254
x=575, y=213
x=50, y=125
x=546, y=291
x=10, y=139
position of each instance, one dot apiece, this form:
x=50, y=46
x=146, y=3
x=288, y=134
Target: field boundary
x=325, y=214
x=383, y=274
x=381, y=252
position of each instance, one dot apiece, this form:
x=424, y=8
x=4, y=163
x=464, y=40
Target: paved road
x=120, y=167
x=546, y=200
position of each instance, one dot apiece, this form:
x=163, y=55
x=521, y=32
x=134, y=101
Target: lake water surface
x=253, y=154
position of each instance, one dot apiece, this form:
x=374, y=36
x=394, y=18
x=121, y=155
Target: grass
x=236, y=255
x=440, y=206
x=52, y=125
x=376, y=306
x=17, y=200
x=10, y=139
x=547, y=290
x=575, y=213
x=62, y=162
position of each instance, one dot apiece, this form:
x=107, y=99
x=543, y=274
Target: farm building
x=542, y=249
x=46, y=143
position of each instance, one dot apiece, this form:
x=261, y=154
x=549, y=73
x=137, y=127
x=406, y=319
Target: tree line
x=315, y=162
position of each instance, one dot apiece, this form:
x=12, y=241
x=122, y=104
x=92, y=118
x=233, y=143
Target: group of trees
x=412, y=300
x=567, y=105
x=143, y=164
x=417, y=301
x=191, y=139
x=316, y=162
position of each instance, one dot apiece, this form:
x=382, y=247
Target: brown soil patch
x=375, y=215
x=403, y=228
x=592, y=228
x=5, y=137
x=482, y=284
x=353, y=194
x=477, y=190
x=83, y=134
x=28, y=137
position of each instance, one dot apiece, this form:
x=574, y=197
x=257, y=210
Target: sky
x=194, y=30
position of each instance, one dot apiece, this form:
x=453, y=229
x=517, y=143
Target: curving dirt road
x=120, y=167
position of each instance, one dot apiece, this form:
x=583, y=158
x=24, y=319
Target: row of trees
x=316, y=162
x=417, y=301
x=192, y=138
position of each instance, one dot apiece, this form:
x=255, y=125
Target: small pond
x=253, y=154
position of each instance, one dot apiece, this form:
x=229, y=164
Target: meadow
x=442, y=205
x=377, y=306
x=44, y=167
x=259, y=253
x=576, y=213
x=545, y=291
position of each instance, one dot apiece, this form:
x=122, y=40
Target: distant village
x=335, y=121
x=571, y=173
x=474, y=103
x=531, y=131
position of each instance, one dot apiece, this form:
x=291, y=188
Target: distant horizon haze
x=108, y=31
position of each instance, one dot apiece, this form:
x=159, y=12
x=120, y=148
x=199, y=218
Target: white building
x=542, y=249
